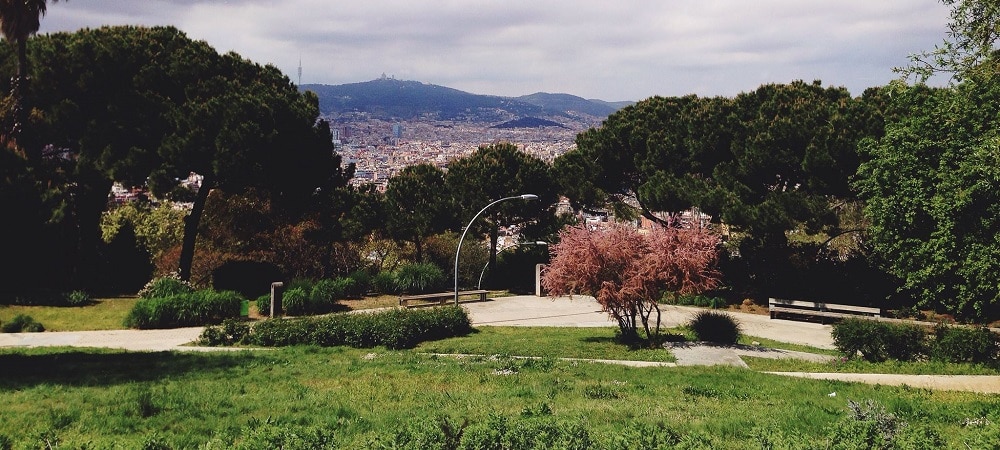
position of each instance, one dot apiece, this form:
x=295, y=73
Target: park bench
x=440, y=298
x=819, y=310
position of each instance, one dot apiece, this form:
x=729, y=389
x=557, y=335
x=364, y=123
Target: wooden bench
x=439, y=298
x=822, y=310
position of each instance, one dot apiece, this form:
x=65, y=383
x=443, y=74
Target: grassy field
x=100, y=398
x=109, y=399
x=102, y=314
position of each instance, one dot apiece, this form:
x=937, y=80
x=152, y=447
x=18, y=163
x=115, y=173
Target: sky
x=599, y=49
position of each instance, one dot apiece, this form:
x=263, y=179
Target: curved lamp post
x=480, y=285
x=459, y=248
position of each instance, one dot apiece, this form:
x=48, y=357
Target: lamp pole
x=459, y=248
x=480, y=285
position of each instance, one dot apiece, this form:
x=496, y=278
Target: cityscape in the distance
x=384, y=125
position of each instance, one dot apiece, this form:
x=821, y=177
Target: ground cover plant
x=363, y=398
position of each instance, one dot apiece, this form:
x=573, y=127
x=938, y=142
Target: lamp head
x=529, y=197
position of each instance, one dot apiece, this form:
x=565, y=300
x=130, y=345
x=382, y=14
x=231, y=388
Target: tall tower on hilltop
x=300, y=70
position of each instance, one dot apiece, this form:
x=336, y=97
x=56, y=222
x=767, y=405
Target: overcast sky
x=610, y=50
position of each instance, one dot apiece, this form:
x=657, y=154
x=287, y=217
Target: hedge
x=205, y=307
x=393, y=328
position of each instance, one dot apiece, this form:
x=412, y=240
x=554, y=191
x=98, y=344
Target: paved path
x=560, y=312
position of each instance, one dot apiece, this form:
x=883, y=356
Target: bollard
x=538, y=279
x=276, y=289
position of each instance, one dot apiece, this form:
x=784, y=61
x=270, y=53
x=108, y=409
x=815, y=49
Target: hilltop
x=391, y=99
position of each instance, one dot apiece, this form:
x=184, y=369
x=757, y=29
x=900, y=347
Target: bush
x=878, y=341
x=361, y=283
x=78, y=298
x=715, y=326
x=419, y=278
x=385, y=283
x=22, y=323
x=962, y=344
x=165, y=286
x=393, y=328
x=231, y=332
x=264, y=305
x=206, y=307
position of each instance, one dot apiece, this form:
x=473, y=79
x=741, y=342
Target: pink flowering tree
x=628, y=271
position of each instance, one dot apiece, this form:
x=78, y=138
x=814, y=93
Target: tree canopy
x=931, y=192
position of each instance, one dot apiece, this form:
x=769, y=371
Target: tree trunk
x=191, y=223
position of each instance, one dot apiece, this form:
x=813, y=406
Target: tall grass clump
x=205, y=307
x=165, y=286
x=713, y=326
x=419, y=278
x=22, y=323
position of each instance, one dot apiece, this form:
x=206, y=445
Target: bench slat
x=822, y=306
x=440, y=297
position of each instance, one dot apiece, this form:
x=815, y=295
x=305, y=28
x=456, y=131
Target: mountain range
x=388, y=98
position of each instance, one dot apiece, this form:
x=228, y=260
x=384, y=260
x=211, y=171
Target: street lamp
x=480, y=285
x=459, y=248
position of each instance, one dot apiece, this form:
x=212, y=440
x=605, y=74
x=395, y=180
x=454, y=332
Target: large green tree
x=933, y=196
x=141, y=105
x=973, y=30
x=417, y=205
x=496, y=171
x=19, y=20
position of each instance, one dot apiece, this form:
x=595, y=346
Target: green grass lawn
x=589, y=343
x=111, y=399
x=102, y=314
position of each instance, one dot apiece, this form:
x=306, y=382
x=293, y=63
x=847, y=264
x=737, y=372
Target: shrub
x=204, y=307
x=231, y=332
x=361, y=283
x=264, y=305
x=393, y=328
x=715, y=326
x=385, y=283
x=961, y=344
x=330, y=291
x=419, y=278
x=165, y=286
x=77, y=298
x=296, y=302
x=878, y=341
x=22, y=323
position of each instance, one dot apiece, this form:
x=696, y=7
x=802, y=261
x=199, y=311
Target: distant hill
x=572, y=104
x=529, y=122
x=396, y=99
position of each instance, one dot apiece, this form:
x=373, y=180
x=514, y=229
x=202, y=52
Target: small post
x=538, y=279
x=276, y=289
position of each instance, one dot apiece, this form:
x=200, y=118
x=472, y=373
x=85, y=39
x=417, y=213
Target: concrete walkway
x=560, y=312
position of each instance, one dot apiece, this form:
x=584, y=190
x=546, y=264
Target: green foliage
x=699, y=300
x=417, y=206
x=263, y=304
x=78, y=298
x=932, y=195
x=231, y=332
x=360, y=283
x=269, y=434
x=22, y=323
x=965, y=344
x=385, y=282
x=393, y=328
x=419, y=278
x=870, y=427
x=878, y=341
x=713, y=326
x=165, y=286
x=203, y=307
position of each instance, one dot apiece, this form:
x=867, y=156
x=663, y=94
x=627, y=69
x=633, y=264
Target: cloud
x=593, y=48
